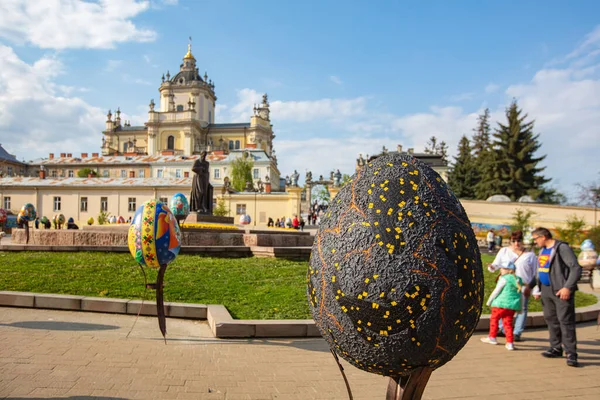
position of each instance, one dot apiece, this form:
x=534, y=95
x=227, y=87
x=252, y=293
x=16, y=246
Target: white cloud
x=463, y=97
x=112, y=65
x=335, y=80
x=37, y=116
x=63, y=24
x=491, y=88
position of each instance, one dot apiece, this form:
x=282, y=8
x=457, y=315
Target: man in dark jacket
x=557, y=278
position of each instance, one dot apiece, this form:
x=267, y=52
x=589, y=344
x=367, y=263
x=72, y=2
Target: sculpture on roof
x=202, y=190
x=337, y=178
x=295, y=177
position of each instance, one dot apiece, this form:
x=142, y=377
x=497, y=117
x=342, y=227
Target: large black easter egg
x=395, y=279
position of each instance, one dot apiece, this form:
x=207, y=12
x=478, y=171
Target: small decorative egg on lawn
x=395, y=283
x=245, y=219
x=3, y=216
x=27, y=213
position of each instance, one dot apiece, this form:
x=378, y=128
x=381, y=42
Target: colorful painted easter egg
x=58, y=219
x=27, y=213
x=179, y=205
x=154, y=238
x=2, y=215
x=120, y=220
x=245, y=219
x=395, y=280
x=44, y=220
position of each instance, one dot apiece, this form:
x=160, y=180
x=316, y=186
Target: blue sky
x=344, y=77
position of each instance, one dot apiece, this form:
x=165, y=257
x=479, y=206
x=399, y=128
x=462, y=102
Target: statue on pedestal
x=337, y=178
x=202, y=190
x=295, y=177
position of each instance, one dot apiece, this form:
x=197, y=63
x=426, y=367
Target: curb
x=222, y=325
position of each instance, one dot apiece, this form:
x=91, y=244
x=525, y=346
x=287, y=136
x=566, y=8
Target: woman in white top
x=526, y=268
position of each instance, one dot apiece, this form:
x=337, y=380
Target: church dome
x=186, y=76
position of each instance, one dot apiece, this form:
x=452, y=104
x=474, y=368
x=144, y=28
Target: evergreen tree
x=241, y=172
x=515, y=146
x=462, y=175
x=483, y=158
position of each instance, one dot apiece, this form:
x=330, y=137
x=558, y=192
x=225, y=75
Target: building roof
x=132, y=128
x=93, y=182
x=5, y=156
x=231, y=125
x=116, y=160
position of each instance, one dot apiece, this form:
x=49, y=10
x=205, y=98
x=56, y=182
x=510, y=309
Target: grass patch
x=250, y=288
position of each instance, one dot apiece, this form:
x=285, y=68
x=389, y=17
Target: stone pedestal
x=333, y=191
x=197, y=218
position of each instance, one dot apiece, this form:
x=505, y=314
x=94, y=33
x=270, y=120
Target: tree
x=484, y=158
x=320, y=194
x=221, y=209
x=522, y=220
x=85, y=172
x=589, y=194
x=241, y=172
x=462, y=175
x=433, y=147
x=346, y=179
x=572, y=232
x=515, y=146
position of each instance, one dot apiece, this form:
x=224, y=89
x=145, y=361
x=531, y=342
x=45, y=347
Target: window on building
x=255, y=173
x=177, y=173
x=53, y=173
x=7, y=203
x=10, y=171
x=217, y=173
x=123, y=173
x=210, y=117
x=159, y=173
x=237, y=144
x=104, y=204
x=71, y=173
x=179, y=107
x=231, y=145
x=171, y=142
x=131, y=204
x=141, y=173
x=125, y=147
x=164, y=200
x=105, y=173
x=56, y=203
x=83, y=206
x=240, y=209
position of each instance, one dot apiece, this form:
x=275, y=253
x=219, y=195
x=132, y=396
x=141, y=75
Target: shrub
x=572, y=232
x=221, y=210
x=103, y=217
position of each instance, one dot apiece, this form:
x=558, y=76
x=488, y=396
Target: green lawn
x=250, y=288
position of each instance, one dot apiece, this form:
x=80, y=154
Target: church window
x=210, y=117
x=56, y=203
x=179, y=107
x=240, y=209
x=237, y=144
x=104, y=204
x=255, y=173
x=171, y=142
x=71, y=173
x=123, y=173
x=125, y=147
x=164, y=200
x=177, y=173
x=7, y=203
x=141, y=173
x=231, y=145
x=217, y=173
x=9, y=171
x=131, y=204
x=105, y=173
x=53, y=173
x=84, y=202
x=159, y=173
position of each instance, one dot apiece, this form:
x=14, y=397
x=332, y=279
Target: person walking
x=505, y=300
x=556, y=284
x=491, y=239
x=526, y=265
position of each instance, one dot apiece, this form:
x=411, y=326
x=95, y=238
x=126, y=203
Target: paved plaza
x=76, y=355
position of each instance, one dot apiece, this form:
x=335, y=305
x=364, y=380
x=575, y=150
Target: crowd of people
x=551, y=276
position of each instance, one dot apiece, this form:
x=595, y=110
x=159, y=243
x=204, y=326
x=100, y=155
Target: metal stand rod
x=409, y=387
